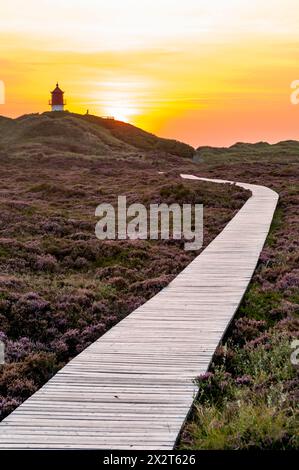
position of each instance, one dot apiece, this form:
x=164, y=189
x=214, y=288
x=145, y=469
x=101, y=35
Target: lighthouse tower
x=57, y=102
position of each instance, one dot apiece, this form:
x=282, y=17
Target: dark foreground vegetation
x=249, y=398
x=60, y=287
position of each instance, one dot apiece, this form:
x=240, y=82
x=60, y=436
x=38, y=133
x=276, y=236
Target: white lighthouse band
x=57, y=107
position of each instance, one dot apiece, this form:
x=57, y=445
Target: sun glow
x=121, y=112
x=207, y=73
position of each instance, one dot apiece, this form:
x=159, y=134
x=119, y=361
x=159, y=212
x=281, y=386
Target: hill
x=82, y=134
x=261, y=151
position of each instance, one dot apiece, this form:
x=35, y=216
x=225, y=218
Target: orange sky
x=207, y=73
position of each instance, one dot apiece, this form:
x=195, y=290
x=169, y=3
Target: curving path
x=133, y=388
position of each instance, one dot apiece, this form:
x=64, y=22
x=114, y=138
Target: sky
x=205, y=72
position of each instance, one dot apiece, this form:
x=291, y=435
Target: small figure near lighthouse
x=57, y=102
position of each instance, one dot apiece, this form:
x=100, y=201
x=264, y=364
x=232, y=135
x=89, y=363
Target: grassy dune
x=82, y=134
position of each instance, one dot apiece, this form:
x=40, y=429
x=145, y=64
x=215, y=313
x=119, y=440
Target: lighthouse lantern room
x=57, y=102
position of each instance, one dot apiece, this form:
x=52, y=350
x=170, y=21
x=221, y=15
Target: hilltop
x=82, y=134
x=260, y=152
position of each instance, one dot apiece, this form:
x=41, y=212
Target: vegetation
x=249, y=153
x=249, y=397
x=60, y=287
x=82, y=134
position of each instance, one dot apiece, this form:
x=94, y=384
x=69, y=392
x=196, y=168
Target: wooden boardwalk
x=133, y=388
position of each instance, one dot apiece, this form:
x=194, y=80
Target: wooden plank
x=133, y=388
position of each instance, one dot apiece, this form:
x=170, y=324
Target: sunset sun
x=180, y=70
x=121, y=112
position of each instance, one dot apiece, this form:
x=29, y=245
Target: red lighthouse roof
x=57, y=96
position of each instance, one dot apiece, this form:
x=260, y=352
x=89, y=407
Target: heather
x=60, y=287
x=249, y=397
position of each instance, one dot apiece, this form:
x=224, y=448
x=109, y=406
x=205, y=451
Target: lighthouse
x=57, y=102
